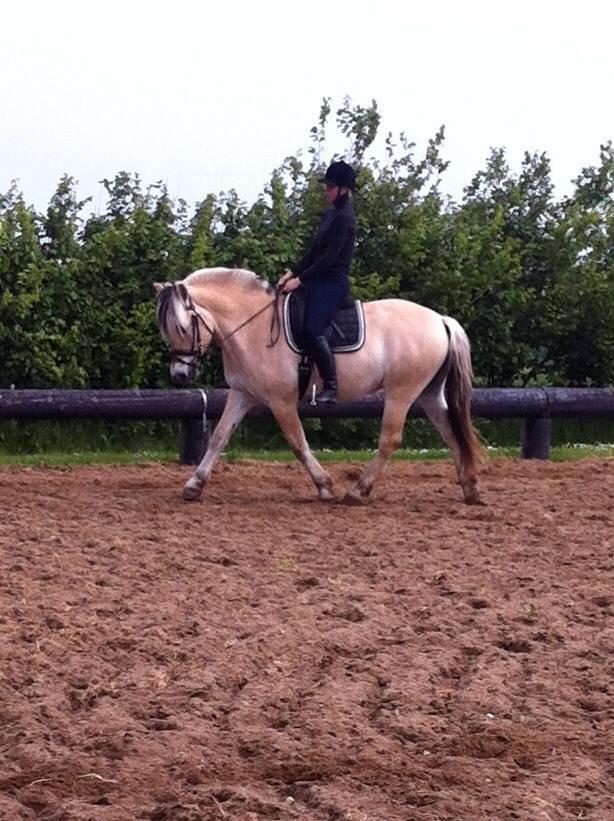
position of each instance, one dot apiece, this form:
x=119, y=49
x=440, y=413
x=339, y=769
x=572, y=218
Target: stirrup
x=328, y=396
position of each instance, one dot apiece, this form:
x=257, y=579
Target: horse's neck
x=230, y=304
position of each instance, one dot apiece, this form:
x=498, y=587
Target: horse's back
x=403, y=319
x=404, y=307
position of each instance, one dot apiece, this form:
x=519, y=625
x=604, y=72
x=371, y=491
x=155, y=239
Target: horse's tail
x=458, y=390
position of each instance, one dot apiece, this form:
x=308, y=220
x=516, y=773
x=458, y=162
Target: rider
x=324, y=270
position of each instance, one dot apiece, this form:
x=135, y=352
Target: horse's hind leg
x=393, y=421
x=433, y=403
x=288, y=420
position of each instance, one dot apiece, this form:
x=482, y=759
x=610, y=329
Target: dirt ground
x=262, y=655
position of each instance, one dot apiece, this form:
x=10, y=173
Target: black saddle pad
x=346, y=332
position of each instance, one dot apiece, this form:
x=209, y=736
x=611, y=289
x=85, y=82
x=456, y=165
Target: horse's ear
x=183, y=291
x=160, y=286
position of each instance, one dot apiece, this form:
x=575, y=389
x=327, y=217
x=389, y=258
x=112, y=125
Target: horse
x=415, y=354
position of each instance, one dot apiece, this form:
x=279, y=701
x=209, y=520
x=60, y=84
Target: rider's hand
x=283, y=279
x=291, y=285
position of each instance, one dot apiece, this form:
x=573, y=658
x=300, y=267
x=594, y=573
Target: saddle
x=345, y=334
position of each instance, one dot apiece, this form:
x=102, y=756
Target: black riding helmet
x=341, y=174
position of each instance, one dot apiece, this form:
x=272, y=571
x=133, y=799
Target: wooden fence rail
x=536, y=406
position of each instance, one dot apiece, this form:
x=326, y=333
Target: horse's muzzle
x=180, y=379
x=182, y=374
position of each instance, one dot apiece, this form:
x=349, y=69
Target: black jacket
x=332, y=248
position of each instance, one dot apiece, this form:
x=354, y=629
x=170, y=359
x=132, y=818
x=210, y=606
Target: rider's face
x=331, y=192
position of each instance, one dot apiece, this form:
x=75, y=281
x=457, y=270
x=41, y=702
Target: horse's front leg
x=238, y=404
x=288, y=420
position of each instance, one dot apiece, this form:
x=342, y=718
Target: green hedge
x=530, y=276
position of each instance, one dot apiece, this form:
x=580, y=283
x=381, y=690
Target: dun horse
x=413, y=353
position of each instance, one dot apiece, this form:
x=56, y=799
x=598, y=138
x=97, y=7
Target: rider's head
x=340, y=178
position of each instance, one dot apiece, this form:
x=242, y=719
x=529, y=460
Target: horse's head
x=186, y=328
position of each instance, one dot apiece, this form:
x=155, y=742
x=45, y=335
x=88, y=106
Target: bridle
x=197, y=350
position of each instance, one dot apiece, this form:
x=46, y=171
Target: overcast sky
x=212, y=96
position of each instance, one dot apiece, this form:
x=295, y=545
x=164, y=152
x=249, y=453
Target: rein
x=274, y=329
x=196, y=348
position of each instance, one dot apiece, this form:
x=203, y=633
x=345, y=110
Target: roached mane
x=241, y=275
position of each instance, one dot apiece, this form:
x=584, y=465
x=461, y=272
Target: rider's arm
x=305, y=261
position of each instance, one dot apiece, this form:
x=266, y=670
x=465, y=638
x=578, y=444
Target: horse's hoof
x=352, y=499
x=191, y=493
x=326, y=495
x=474, y=499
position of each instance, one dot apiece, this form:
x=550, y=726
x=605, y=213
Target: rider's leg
x=323, y=298
x=325, y=360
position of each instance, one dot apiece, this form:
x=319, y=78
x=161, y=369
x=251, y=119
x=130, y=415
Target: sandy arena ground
x=261, y=655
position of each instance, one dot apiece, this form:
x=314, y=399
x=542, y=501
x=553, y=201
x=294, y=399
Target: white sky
x=210, y=96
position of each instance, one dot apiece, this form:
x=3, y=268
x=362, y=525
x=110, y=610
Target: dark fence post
x=536, y=433
x=193, y=442
x=194, y=436
x=537, y=428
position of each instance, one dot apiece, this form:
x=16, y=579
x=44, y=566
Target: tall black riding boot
x=325, y=360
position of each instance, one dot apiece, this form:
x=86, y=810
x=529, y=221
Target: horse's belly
x=362, y=372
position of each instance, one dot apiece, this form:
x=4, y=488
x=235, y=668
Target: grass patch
x=61, y=459
x=561, y=453
x=568, y=453
x=328, y=455
x=58, y=459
